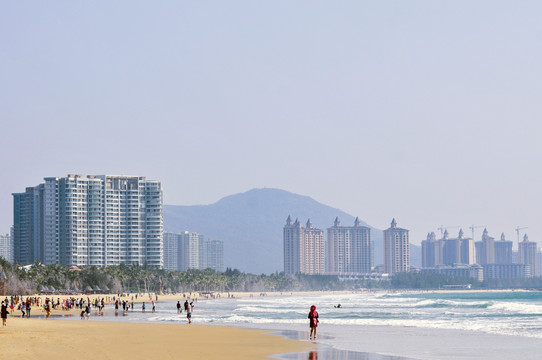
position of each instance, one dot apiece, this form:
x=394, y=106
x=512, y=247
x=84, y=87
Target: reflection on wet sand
x=328, y=353
x=334, y=354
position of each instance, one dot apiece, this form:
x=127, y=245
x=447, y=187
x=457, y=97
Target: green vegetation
x=124, y=278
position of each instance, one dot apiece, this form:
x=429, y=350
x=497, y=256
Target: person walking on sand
x=4, y=313
x=313, y=321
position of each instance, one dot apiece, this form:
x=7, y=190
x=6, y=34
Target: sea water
x=416, y=325
x=505, y=313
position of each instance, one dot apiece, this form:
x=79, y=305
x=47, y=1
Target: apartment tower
x=304, y=248
x=396, y=249
x=97, y=220
x=528, y=254
x=349, y=248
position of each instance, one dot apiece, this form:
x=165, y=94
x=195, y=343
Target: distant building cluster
x=485, y=259
x=189, y=250
x=347, y=249
x=97, y=220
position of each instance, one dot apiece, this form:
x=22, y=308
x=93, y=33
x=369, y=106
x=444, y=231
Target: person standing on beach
x=189, y=314
x=4, y=313
x=28, y=307
x=47, y=308
x=186, y=305
x=313, y=321
x=179, y=307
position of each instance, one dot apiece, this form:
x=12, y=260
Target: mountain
x=251, y=223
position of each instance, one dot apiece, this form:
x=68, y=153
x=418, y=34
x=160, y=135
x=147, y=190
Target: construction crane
x=475, y=227
x=442, y=228
x=517, y=231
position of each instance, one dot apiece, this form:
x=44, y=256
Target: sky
x=428, y=112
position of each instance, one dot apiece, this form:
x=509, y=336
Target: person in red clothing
x=313, y=321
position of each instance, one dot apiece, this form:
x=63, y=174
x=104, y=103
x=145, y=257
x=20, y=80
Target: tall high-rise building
x=503, y=251
x=485, y=249
x=396, y=249
x=304, y=248
x=528, y=254
x=458, y=250
x=189, y=250
x=349, y=248
x=214, y=255
x=90, y=221
x=6, y=247
x=28, y=225
x=171, y=251
x=432, y=251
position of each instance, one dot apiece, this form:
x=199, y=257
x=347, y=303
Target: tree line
x=132, y=278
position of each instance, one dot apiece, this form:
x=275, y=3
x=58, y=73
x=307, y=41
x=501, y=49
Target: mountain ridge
x=251, y=223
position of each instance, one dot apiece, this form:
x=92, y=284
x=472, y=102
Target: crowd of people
x=12, y=304
x=85, y=305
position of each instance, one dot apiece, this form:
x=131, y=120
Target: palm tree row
x=132, y=278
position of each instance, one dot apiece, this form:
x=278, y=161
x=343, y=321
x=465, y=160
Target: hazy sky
x=426, y=111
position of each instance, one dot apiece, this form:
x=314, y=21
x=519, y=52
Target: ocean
x=400, y=325
x=506, y=313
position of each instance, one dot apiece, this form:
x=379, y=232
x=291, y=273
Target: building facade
x=6, y=247
x=503, y=251
x=349, y=248
x=214, y=255
x=189, y=250
x=485, y=249
x=432, y=251
x=458, y=250
x=91, y=221
x=506, y=271
x=304, y=248
x=396, y=249
x=171, y=251
x=528, y=255
x=461, y=270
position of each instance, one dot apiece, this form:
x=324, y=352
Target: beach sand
x=87, y=339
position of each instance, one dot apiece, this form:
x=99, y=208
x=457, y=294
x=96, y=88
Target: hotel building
x=304, y=248
x=349, y=248
x=485, y=250
x=503, y=251
x=528, y=254
x=396, y=249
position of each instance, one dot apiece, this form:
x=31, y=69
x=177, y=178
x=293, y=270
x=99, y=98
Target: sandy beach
x=54, y=339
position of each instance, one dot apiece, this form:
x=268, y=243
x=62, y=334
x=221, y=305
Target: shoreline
x=371, y=341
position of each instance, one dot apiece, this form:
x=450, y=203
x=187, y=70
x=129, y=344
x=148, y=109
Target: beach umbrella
x=88, y=289
x=105, y=289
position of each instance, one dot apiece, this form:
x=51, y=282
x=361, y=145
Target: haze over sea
x=420, y=325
